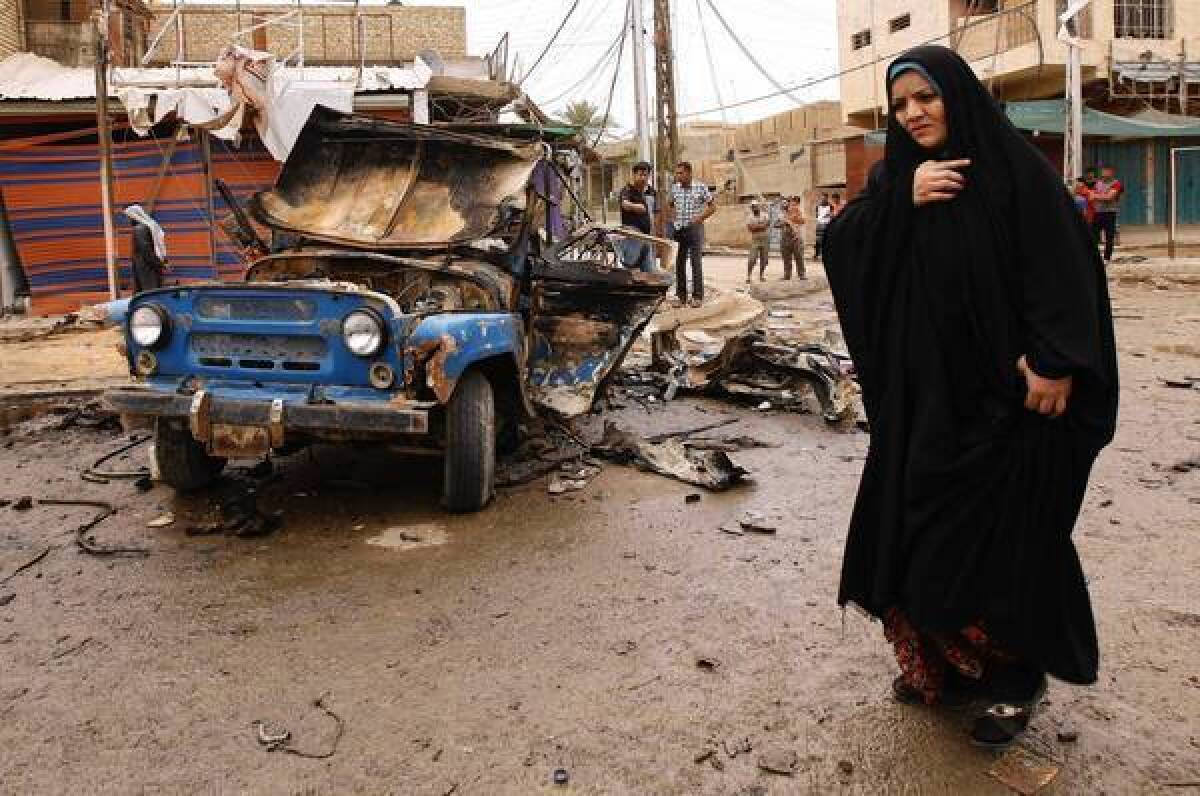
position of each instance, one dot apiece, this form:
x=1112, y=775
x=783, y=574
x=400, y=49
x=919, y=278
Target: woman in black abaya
x=976, y=310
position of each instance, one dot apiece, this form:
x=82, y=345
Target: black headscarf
x=968, y=500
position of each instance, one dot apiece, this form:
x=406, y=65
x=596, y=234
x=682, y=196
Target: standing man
x=691, y=205
x=791, y=246
x=759, y=224
x=637, y=212
x=824, y=213
x=1106, y=198
x=148, y=250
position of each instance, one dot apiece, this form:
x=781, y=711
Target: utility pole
x=641, y=101
x=1073, y=131
x=664, y=86
x=105, y=136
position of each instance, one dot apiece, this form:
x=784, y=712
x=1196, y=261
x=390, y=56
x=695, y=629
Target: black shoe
x=1004, y=722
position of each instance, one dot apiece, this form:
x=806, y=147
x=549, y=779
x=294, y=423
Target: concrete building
x=329, y=34
x=64, y=30
x=802, y=152
x=1132, y=48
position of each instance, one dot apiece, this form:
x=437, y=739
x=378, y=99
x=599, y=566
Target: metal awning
x=1157, y=71
x=1049, y=116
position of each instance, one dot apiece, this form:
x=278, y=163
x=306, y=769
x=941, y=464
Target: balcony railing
x=986, y=35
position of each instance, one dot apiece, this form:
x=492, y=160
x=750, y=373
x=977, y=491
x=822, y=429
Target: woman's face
x=919, y=109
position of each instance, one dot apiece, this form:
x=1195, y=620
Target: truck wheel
x=182, y=461
x=470, y=445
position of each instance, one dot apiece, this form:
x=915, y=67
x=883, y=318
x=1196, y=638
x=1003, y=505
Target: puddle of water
x=410, y=537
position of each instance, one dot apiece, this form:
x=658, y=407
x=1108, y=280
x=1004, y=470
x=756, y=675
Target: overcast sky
x=794, y=40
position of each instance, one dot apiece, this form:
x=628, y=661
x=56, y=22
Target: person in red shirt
x=1106, y=199
x=1083, y=200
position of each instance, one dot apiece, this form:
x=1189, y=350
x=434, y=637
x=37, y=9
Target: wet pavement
x=615, y=632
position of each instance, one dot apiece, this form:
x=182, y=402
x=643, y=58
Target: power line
x=848, y=70
x=590, y=74
x=746, y=51
x=549, y=44
x=612, y=89
x=712, y=68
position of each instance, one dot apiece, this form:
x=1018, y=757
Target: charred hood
x=372, y=184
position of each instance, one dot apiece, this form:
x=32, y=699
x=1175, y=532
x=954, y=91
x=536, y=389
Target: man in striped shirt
x=691, y=205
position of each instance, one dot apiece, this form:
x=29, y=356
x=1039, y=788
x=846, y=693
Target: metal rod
x=1171, y=204
x=162, y=173
x=171, y=20
x=206, y=161
x=180, y=43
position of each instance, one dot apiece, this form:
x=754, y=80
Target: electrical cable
x=1022, y=9
x=746, y=51
x=612, y=89
x=566, y=18
x=712, y=68
x=591, y=74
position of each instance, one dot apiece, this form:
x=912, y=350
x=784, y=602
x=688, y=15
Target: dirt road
x=477, y=655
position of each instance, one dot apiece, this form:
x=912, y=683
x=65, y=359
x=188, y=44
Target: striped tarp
x=53, y=197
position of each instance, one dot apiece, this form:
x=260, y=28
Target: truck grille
x=257, y=308
x=258, y=351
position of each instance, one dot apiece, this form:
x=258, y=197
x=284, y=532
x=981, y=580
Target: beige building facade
x=1013, y=45
x=12, y=28
x=801, y=152
x=331, y=34
x=65, y=30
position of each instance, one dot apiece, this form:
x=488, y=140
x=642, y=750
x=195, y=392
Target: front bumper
x=204, y=410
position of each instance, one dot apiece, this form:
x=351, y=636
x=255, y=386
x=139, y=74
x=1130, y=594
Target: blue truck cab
x=418, y=302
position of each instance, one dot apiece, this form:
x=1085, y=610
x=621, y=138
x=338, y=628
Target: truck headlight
x=362, y=331
x=148, y=326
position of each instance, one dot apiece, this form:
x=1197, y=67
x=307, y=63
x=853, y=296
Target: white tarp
x=208, y=108
x=25, y=76
x=215, y=97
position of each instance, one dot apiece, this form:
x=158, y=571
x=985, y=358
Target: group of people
x=1098, y=199
x=690, y=204
x=790, y=219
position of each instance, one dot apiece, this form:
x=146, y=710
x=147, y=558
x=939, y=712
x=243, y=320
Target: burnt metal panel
x=373, y=184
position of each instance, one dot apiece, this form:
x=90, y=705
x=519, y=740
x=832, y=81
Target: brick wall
x=860, y=157
x=391, y=34
x=10, y=28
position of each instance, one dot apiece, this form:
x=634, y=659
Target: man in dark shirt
x=637, y=211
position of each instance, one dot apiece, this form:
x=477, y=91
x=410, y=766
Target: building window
x=1083, y=20
x=1143, y=19
x=861, y=39
x=899, y=23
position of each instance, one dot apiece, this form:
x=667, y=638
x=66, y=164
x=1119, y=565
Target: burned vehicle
x=421, y=304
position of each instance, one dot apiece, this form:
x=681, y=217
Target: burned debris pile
x=748, y=368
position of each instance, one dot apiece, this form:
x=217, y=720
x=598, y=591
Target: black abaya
x=967, y=500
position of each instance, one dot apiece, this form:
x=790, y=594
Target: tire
x=470, y=445
x=182, y=461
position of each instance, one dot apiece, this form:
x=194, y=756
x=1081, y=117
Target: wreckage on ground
x=421, y=300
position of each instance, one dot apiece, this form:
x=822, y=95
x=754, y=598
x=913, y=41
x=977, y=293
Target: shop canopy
x=1049, y=116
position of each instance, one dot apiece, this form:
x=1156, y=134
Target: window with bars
x=861, y=39
x=1083, y=20
x=1143, y=19
x=899, y=23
